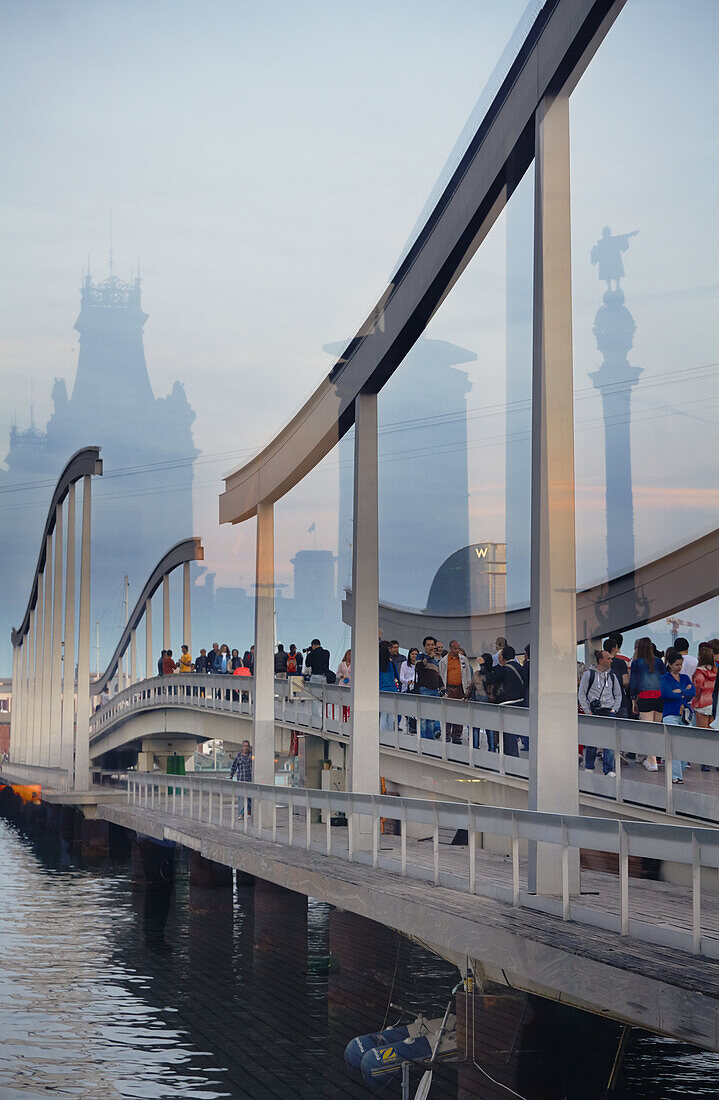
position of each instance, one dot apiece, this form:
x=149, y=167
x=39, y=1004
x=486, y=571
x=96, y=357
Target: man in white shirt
x=600, y=693
x=689, y=664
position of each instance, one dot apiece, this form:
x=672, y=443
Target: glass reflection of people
x=607, y=254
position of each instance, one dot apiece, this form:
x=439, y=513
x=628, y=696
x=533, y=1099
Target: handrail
x=185, y=551
x=326, y=714
x=693, y=846
x=498, y=155
x=83, y=462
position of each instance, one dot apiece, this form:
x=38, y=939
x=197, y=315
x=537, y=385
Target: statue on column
x=607, y=254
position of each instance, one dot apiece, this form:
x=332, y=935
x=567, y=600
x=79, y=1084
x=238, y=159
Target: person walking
x=168, y=665
x=600, y=693
x=294, y=661
x=202, y=663
x=280, y=661
x=689, y=663
x=388, y=681
x=678, y=691
x=429, y=682
x=317, y=664
x=479, y=692
x=222, y=661
x=645, y=688
x=344, y=669
x=456, y=672
x=407, y=682
x=509, y=679
x=704, y=680
x=241, y=772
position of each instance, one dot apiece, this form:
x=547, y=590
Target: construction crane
x=674, y=625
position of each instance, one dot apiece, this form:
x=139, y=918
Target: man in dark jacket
x=509, y=680
x=280, y=660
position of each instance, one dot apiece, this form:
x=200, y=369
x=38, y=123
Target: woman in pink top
x=704, y=679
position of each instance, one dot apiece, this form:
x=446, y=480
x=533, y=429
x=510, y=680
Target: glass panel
x=454, y=448
x=645, y=241
x=313, y=556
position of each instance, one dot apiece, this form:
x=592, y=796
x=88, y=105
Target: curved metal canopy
x=559, y=46
x=83, y=462
x=188, y=550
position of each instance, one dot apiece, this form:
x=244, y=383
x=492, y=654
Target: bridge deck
x=642, y=983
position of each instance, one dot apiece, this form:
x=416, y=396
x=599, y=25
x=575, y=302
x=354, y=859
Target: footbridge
x=514, y=894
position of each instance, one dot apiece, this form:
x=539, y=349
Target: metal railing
x=284, y=815
x=55, y=778
x=325, y=710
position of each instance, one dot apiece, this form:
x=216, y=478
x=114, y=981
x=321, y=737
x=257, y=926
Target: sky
x=267, y=163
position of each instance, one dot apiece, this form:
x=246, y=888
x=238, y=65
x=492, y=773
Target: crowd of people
x=674, y=687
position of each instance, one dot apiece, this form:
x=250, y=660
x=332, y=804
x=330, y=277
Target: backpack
x=593, y=676
x=291, y=664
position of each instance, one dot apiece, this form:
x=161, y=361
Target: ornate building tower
x=144, y=503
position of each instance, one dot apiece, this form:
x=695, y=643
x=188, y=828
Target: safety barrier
x=325, y=710
x=284, y=815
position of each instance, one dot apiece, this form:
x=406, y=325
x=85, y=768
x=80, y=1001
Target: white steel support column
x=166, y=612
x=553, y=784
x=15, y=704
x=82, y=735
x=56, y=650
x=186, y=608
x=21, y=744
x=364, y=702
x=37, y=671
x=67, y=751
x=18, y=705
x=132, y=671
x=149, y=664
x=44, y=757
x=23, y=757
x=30, y=725
x=264, y=671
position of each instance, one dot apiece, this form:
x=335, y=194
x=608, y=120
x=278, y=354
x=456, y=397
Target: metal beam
x=264, y=671
x=55, y=745
x=67, y=753
x=565, y=32
x=553, y=667
x=81, y=778
x=364, y=706
x=83, y=462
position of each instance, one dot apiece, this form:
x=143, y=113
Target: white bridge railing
x=325, y=710
x=285, y=815
x=34, y=774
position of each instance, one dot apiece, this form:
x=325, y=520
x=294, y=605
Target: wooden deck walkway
x=652, y=986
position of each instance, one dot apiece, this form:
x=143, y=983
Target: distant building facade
x=143, y=503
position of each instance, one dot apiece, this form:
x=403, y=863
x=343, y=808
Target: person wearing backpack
x=600, y=692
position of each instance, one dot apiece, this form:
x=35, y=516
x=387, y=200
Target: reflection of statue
x=614, y=329
x=606, y=253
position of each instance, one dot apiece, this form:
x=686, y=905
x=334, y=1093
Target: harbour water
x=170, y=990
